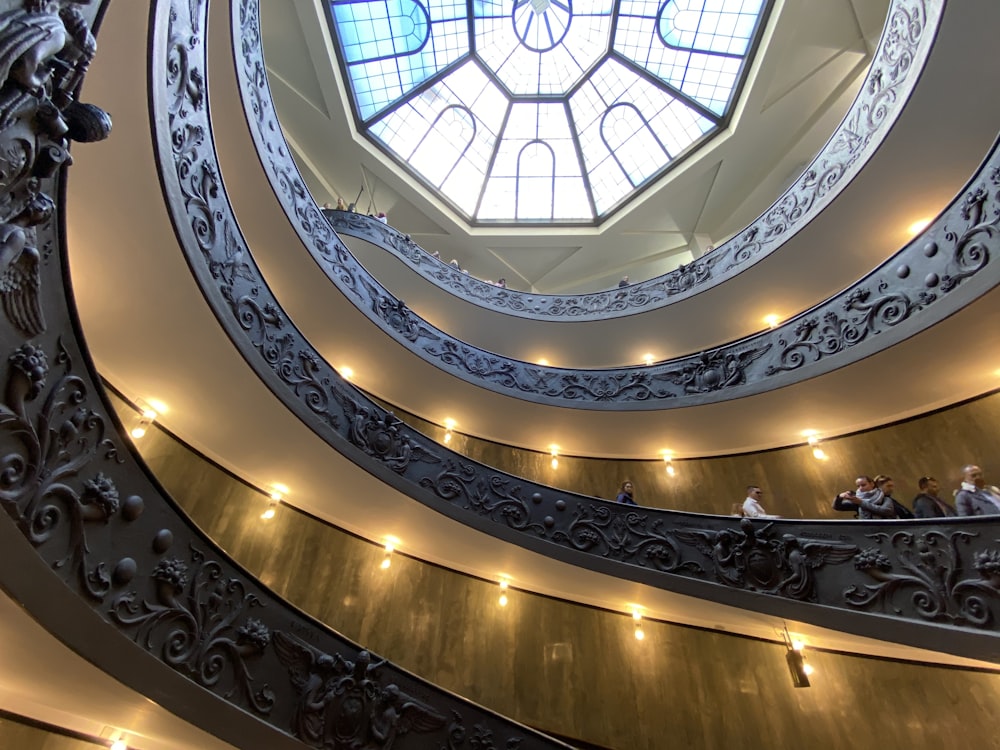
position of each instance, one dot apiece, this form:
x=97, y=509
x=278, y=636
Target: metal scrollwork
x=43, y=481
x=631, y=537
x=931, y=568
x=895, y=67
x=199, y=623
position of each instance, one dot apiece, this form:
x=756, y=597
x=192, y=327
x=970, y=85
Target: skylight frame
x=596, y=216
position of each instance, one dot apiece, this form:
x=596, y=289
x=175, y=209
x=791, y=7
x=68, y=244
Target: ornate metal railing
x=896, y=65
x=918, y=287
x=73, y=491
x=911, y=582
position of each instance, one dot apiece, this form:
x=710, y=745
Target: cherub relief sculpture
x=343, y=704
x=45, y=50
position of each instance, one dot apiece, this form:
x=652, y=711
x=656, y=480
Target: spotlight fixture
x=772, y=320
x=812, y=437
x=918, y=226
x=648, y=359
x=796, y=661
x=346, y=372
x=449, y=425
x=119, y=744
x=543, y=362
x=502, y=601
x=819, y=454
x=268, y=514
x=554, y=452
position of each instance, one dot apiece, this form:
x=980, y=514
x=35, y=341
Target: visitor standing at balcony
x=927, y=504
x=888, y=487
x=623, y=283
x=975, y=499
x=625, y=493
x=752, y=507
x=868, y=500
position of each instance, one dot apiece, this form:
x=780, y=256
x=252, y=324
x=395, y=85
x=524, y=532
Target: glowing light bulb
x=918, y=226
x=807, y=668
x=138, y=431
x=798, y=645
x=772, y=320
x=119, y=745
x=670, y=470
x=819, y=454
x=346, y=372
x=268, y=514
x=447, y=437
x=648, y=359
x=502, y=601
x=386, y=562
x=639, y=634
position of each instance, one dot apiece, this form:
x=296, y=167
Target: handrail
x=843, y=574
x=897, y=63
x=911, y=291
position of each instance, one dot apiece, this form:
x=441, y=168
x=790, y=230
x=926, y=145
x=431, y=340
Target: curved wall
x=796, y=485
x=575, y=670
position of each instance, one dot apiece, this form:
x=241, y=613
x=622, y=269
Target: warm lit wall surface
x=578, y=671
x=795, y=484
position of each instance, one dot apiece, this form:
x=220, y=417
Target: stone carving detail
x=344, y=703
x=200, y=626
x=757, y=560
x=932, y=574
x=45, y=50
x=895, y=67
x=45, y=485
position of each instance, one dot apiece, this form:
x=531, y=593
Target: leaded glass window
x=542, y=111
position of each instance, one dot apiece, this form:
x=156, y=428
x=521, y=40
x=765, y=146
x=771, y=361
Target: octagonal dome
x=542, y=111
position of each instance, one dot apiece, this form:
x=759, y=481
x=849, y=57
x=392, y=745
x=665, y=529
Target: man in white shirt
x=751, y=506
x=974, y=499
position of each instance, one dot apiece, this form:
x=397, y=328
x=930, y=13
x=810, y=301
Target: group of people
x=873, y=499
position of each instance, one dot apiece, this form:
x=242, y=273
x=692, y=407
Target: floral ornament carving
x=344, y=703
x=757, y=560
x=46, y=450
x=200, y=624
x=627, y=537
x=929, y=573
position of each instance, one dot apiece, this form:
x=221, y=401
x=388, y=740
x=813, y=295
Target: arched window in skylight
x=542, y=110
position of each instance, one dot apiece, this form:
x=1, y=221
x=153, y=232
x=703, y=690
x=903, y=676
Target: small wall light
x=637, y=621
x=554, y=451
x=543, y=362
x=387, y=556
x=918, y=226
x=147, y=417
x=449, y=425
x=772, y=320
x=796, y=661
x=119, y=745
x=502, y=601
x=648, y=359
x=346, y=372
x=668, y=459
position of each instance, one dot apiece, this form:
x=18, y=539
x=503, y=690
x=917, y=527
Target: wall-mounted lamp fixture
x=637, y=621
x=387, y=555
x=119, y=744
x=346, y=372
x=796, y=661
x=648, y=359
x=502, y=601
x=449, y=425
x=813, y=439
x=147, y=417
x=668, y=459
x=772, y=320
x=554, y=451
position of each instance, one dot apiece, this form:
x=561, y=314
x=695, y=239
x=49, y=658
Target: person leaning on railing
x=868, y=500
x=975, y=498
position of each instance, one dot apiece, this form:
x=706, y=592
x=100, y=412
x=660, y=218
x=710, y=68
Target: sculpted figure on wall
x=45, y=50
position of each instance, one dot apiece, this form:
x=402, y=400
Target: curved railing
x=913, y=580
x=102, y=550
x=896, y=66
x=911, y=291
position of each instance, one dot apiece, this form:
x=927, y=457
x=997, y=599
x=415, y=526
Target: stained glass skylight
x=542, y=111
